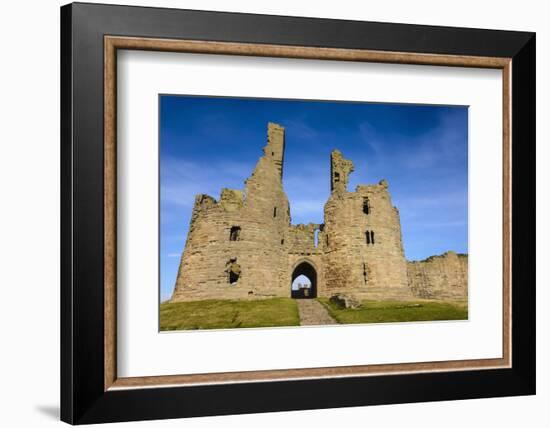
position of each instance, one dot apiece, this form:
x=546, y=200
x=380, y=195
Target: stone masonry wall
x=440, y=277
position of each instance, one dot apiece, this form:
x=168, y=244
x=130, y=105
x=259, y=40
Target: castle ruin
x=244, y=245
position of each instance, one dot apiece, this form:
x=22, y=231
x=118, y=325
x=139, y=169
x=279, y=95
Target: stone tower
x=364, y=251
x=235, y=246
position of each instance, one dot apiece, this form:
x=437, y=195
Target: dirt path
x=313, y=313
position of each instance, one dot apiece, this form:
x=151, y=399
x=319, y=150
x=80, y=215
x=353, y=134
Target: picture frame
x=91, y=391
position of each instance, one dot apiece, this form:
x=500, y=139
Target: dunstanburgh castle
x=243, y=246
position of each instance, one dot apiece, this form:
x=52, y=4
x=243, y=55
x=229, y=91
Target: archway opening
x=304, y=282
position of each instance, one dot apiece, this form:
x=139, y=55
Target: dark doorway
x=304, y=282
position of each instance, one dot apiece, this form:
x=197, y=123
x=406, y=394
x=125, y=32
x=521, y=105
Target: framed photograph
x=267, y=213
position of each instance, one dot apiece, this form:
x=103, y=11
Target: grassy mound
x=396, y=311
x=218, y=314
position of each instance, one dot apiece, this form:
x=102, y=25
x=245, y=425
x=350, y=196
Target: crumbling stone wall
x=244, y=246
x=440, y=277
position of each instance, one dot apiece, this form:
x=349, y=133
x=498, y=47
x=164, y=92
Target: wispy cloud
x=450, y=198
x=306, y=183
x=300, y=129
x=307, y=210
x=182, y=180
x=371, y=138
x=432, y=151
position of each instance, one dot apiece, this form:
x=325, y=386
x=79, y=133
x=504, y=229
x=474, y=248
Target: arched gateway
x=306, y=269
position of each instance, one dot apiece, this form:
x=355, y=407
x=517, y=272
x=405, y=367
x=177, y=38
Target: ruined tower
x=364, y=254
x=235, y=246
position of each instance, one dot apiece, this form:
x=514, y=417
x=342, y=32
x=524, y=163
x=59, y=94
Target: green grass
x=217, y=314
x=396, y=311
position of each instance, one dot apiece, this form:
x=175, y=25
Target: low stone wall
x=439, y=277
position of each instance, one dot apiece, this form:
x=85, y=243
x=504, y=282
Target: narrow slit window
x=371, y=237
x=235, y=233
x=367, y=234
x=366, y=206
x=274, y=212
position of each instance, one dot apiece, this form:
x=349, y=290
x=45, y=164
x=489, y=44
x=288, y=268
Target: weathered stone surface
x=364, y=252
x=345, y=301
x=244, y=245
x=440, y=277
x=340, y=169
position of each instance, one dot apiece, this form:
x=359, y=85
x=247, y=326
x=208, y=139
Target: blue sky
x=207, y=143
